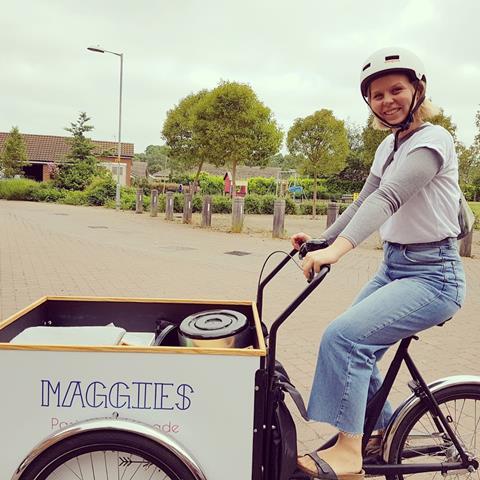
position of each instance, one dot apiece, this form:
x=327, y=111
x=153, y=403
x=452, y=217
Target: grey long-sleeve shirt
x=376, y=203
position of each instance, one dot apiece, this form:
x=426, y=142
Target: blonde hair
x=426, y=110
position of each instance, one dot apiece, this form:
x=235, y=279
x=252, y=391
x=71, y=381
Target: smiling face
x=390, y=97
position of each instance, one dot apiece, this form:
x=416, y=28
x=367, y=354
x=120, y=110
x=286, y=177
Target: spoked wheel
x=419, y=439
x=107, y=455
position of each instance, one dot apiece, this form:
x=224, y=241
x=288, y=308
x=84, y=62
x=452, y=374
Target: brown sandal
x=325, y=472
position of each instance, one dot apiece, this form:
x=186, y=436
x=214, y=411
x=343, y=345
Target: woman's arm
x=419, y=168
x=370, y=186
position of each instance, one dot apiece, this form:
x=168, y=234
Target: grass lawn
x=475, y=206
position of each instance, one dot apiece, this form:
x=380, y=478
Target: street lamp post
x=119, y=148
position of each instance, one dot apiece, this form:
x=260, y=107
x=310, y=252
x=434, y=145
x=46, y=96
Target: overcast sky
x=298, y=55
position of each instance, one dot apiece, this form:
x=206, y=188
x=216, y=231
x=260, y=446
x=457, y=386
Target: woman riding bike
x=412, y=196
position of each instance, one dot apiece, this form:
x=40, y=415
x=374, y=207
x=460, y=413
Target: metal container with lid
x=215, y=329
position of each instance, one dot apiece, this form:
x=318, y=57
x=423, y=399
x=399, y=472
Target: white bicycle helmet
x=390, y=60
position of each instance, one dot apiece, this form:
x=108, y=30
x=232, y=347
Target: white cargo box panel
x=203, y=398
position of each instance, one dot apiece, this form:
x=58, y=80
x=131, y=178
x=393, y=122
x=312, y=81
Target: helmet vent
x=391, y=58
x=366, y=66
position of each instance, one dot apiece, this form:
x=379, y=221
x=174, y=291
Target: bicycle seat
x=443, y=323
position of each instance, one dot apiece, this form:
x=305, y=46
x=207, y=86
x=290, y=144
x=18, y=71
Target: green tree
x=371, y=139
x=181, y=134
x=157, y=158
x=468, y=158
x=446, y=122
x=356, y=171
x=235, y=128
x=14, y=155
x=475, y=147
x=285, y=162
x=322, y=140
x=80, y=165
x=467, y=164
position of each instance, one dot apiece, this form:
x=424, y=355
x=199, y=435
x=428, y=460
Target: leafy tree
x=446, y=122
x=371, y=139
x=157, y=158
x=285, y=162
x=356, y=171
x=322, y=140
x=181, y=133
x=14, y=155
x=235, y=127
x=475, y=147
x=80, y=165
x=467, y=164
x=468, y=158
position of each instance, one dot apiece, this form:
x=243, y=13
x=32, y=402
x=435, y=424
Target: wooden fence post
x=237, y=214
x=207, y=211
x=465, y=247
x=154, y=203
x=187, y=208
x=332, y=213
x=278, y=218
x=169, y=206
x=139, y=202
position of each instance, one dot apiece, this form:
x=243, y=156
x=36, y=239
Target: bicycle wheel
x=107, y=455
x=419, y=440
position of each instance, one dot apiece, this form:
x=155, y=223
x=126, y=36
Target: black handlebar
x=272, y=340
x=310, y=246
x=272, y=343
x=314, y=281
x=267, y=279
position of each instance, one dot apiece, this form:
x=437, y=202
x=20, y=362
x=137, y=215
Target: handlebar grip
x=323, y=271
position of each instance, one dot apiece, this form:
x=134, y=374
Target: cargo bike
x=194, y=407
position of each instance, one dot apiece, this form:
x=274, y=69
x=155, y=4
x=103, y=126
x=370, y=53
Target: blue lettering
x=77, y=392
x=185, y=402
x=114, y=396
x=119, y=395
x=160, y=395
x=141, y=403
x=94, y=399
x=48, y=388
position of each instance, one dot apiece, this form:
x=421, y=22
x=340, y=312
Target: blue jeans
x=416, y=287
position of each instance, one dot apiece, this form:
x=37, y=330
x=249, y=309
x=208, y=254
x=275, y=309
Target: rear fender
x=411, y=402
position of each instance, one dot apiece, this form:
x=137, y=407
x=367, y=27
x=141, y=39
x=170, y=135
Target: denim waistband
x=440, y=243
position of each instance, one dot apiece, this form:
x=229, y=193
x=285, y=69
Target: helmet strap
x=401, y=127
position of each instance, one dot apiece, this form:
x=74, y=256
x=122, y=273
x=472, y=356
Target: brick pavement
x=63, y=250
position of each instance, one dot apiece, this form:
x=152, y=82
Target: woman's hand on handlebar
x=314, y=261
x=298, y=239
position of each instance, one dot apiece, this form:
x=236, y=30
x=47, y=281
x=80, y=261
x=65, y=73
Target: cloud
x=298, y=56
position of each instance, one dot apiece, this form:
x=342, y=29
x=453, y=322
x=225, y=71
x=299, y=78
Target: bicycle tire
x=138, y=453
x=461, y=406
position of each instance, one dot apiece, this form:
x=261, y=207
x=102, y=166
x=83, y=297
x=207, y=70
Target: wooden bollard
x=187, y=208
x=332, y=213
x=237, y=214
x=139, y=202
x=207, y=211
x=278, y=218
x=154, y=203
x=169, y=206
x=465, y=245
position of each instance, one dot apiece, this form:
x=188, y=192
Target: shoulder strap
x=400, y=142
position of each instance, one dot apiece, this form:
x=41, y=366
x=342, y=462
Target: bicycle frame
x=375, y=405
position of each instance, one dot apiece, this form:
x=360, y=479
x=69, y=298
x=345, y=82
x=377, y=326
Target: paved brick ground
x=54, y=249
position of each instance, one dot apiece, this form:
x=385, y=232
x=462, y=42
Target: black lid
x=213, y=324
